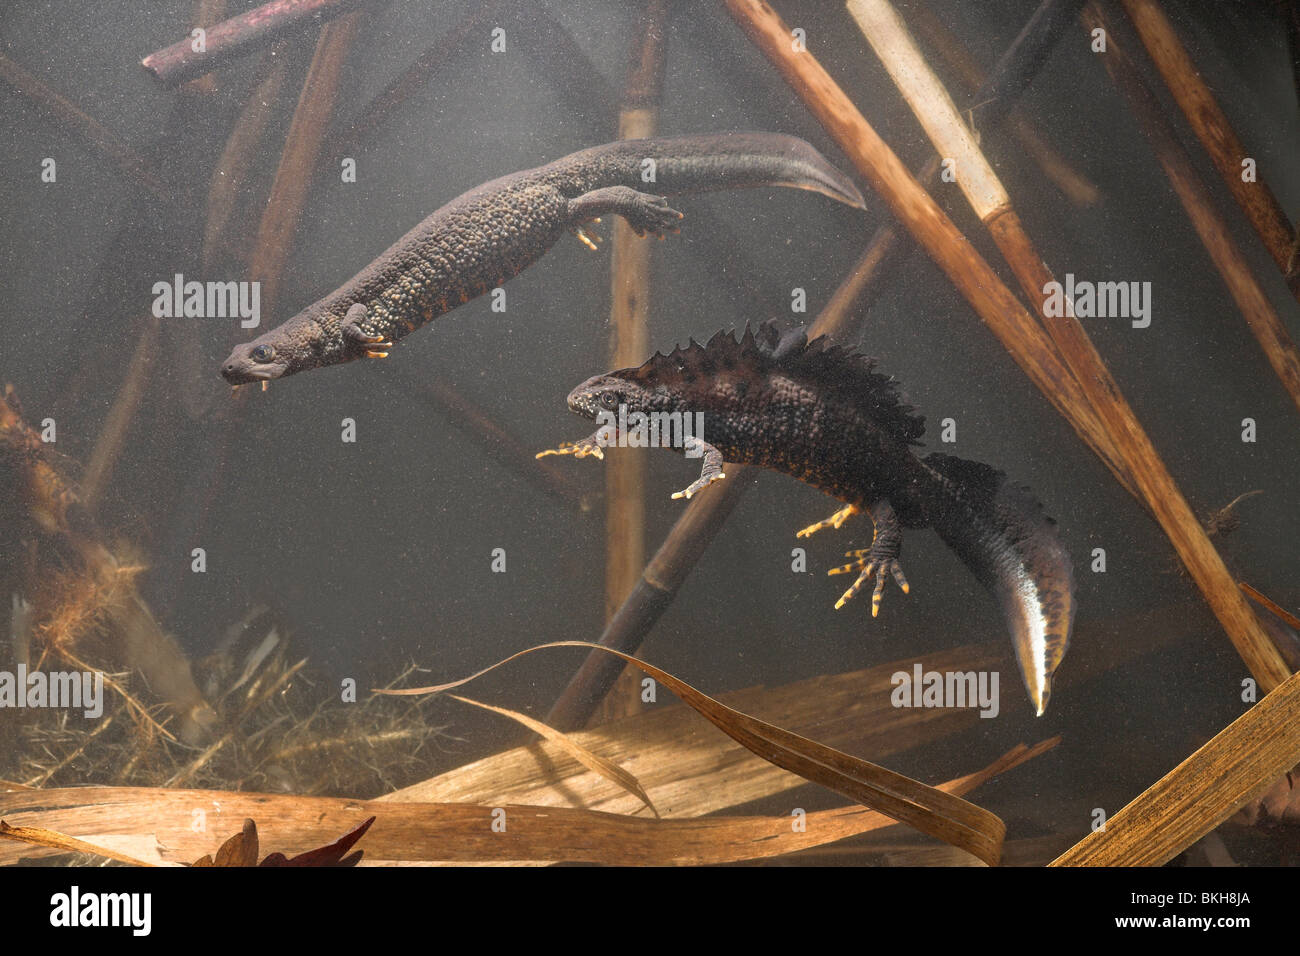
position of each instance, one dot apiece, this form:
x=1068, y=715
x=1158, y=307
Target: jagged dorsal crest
x=832, y=369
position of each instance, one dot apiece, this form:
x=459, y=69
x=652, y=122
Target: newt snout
x=243, y=367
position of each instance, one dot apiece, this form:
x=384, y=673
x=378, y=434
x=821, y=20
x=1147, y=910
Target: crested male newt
x=822, y=414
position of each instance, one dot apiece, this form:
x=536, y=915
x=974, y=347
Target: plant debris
x=242, y=849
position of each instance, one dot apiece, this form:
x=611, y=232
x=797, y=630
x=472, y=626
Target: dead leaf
x=331, y=854
x=457, y=832
x=38, y=836
x=241, y=850
x=949, y=818
x=592, y=761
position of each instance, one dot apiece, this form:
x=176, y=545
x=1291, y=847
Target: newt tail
x=494, y=231
x=822, y=414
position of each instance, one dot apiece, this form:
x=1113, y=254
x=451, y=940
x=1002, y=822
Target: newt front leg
x=595, y=444
x=375, y=346
x=712, y=470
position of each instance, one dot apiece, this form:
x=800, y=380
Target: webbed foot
x=870, y=567
x=651, y=215
x=647, y=214
x=579, y=449
x=698, y=485
x=835, y=521
x=878, y=561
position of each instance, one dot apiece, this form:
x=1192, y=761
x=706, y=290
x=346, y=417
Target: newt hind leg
x=835, y=521
x=877, y=561
x=645, y=213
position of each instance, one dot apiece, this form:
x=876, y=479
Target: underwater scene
x=649, y=433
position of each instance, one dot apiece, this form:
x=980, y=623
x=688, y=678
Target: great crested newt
x=494, y=231
x=822, y=414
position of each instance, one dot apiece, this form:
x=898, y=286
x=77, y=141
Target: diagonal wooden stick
x=1055, y=167
x=233, y=171
x=276, y=233
x=472, y=420
x=92, y=132
x=239, y=36
x=311, y=117
x=1211, y=126
x=126, y=403
x=888, y=35
x=353, y=134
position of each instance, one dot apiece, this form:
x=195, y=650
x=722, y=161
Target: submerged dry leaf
x=38, y=836
x=941, y=815
x=592, y=761
x=457, y=832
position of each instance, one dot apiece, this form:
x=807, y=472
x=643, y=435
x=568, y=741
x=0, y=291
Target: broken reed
x=1039, y=35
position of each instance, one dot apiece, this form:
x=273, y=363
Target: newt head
x=260, y=360
x=616, y=398
x=603, y=394
x=294, y=346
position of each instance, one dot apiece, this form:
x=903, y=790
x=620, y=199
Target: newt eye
x=609, y=400
x=263, y=354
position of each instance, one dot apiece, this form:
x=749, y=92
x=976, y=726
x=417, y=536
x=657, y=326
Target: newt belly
x=494, y=231
x=822, y=414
